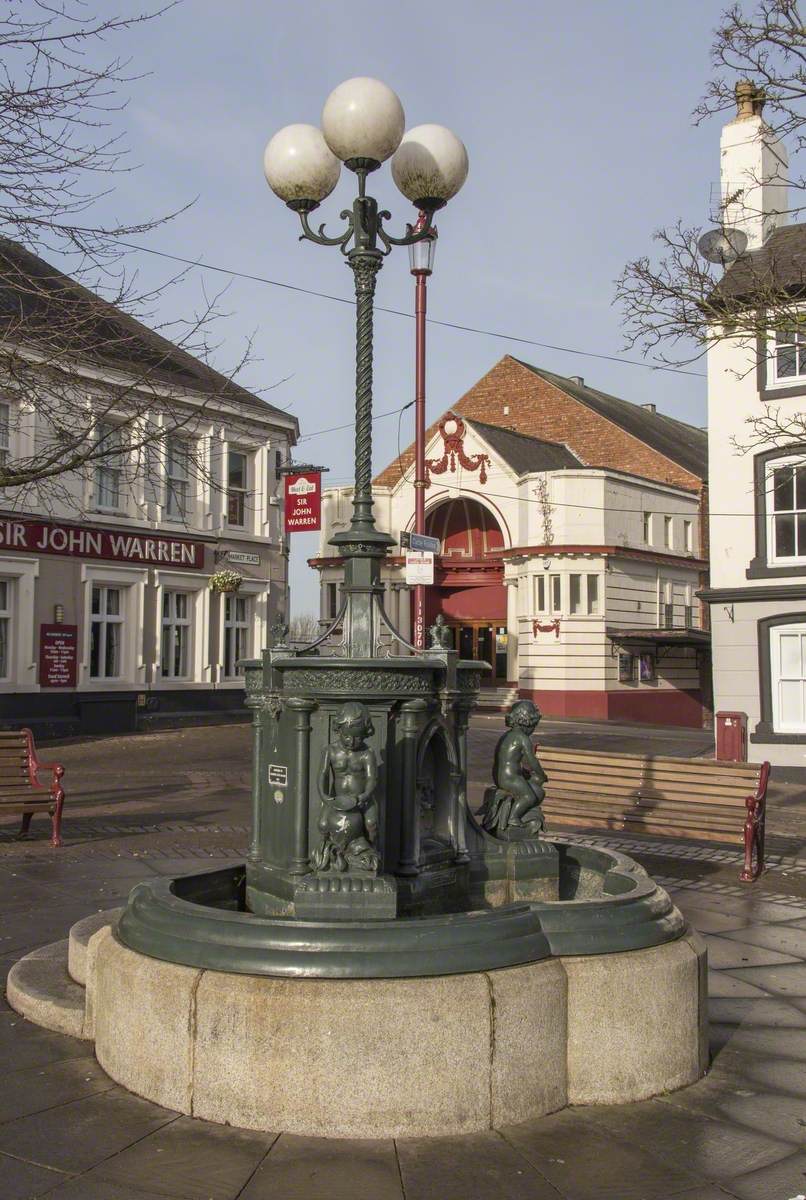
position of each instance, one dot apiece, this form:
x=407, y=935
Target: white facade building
x=758, y=487
x=107, y=619
x=576, y=583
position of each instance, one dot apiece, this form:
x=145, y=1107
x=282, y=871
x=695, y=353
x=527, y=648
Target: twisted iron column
x=365, y=265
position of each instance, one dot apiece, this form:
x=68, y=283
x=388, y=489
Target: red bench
x=679, y=797
x=20, y=787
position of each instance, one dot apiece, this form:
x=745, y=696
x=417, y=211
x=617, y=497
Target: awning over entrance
x=661, y=637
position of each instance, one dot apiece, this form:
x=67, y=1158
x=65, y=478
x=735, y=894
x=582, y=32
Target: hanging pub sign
x=303, y=501
x=58, y=654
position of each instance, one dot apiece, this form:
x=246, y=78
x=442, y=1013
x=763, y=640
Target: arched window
x=780, y=508
x=782, y=678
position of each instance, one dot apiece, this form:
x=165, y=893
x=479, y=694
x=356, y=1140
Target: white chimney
x=753, y=170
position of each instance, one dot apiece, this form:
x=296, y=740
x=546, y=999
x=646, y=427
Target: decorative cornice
x=600, y=550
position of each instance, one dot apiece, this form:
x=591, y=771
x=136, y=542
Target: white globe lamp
x=363, y=122
x=430, y=166
x=299, y=166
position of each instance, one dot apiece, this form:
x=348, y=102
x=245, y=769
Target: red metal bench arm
x=35, y=766
x=755, y=827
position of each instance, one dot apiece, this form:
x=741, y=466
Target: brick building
x=573, y=542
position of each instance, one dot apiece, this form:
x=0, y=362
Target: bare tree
x=675, y=303
x=304, y=628
x=88, y=378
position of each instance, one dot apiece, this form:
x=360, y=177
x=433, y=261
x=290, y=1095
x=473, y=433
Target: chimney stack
x=649, y=407
x=753, y=170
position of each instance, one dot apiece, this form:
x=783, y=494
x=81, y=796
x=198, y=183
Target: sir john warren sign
x=48, y=537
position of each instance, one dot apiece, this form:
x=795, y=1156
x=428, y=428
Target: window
x=5, y=629
x=176, y=479
x=666, y=605
x=648, y=528
x=688, y=536
x=236, y=487
x=555, y=589
x=646, y=667
x=331, y=599
x=176, y=634
x=584, y=594
x=668, y=533
x=106, y=630
x=627, y=664
x=788, y=518
x=540, y=593
x=576, y=593
x=108, y=470
x=236, y=633
x=4, y=434
x=788, y=678
x=789, y=355
x=688, y=612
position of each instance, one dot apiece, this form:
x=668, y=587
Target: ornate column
x=411, y=713
x=513, y=585
x=301, y=707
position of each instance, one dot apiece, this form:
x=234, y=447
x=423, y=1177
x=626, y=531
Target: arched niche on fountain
x=438, y=785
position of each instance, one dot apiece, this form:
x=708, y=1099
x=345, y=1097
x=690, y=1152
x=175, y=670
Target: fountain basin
x=471, y=1020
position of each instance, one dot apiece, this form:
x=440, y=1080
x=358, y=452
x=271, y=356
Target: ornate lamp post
x=421, y=263
x=362, y=126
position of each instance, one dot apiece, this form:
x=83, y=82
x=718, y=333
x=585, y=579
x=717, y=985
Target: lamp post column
x=419, y=442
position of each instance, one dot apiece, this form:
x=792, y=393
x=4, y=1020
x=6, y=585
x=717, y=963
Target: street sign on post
x=419, y=567
x=419, y=541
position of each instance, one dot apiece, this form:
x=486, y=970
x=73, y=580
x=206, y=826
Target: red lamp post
x=421, y=264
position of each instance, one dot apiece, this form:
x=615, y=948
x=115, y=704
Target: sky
x=577, y=122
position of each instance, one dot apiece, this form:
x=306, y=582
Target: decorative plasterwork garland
x=452, y=430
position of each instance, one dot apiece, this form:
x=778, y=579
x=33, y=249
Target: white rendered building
x=758, y=484
x=572, y=574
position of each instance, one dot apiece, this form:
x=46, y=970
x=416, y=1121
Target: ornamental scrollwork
x=452, y=430
x=356, y=680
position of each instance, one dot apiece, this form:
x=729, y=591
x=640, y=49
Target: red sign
x=303, y=501
x=58, y=654
x=77, y=541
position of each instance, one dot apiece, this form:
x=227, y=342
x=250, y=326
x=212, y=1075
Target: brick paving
x=173, y=801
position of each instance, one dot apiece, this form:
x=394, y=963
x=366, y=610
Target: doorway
x=486, y=642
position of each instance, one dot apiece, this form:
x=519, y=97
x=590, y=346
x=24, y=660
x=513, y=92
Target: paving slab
x=728, y=954
x=469, y=1168
x=299, y=1168
x=41, y=1088
x=781, y=938
x=190, y=1159
x=24, y=1045
x=711, y=1148
x=588, y=1163
x=87, y=1132
x=23, y=1181
x=786, y=1179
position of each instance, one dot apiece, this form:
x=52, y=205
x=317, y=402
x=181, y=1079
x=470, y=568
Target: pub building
x=108, y=622
x=572, y=547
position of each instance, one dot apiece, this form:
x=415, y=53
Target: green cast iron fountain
x=365, y=859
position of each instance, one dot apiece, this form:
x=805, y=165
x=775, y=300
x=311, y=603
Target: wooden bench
x=20, y=786
x=682, y=797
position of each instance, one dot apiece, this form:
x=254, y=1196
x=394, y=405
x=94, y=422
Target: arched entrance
x=469, y=585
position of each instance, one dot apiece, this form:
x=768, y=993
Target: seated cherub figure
x=514, y=803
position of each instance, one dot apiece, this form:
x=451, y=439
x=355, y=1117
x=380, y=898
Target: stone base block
x=637, y=1022
x=334, y=1058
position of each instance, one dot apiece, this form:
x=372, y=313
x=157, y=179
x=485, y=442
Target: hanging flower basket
x=225, y=581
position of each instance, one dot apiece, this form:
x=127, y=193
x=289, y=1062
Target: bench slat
x=652, y=767
x=566, y=820
x=592, y=779
x=619, y=756
x=636, y=794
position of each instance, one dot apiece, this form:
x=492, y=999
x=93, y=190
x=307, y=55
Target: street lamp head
x=299, y=167
x=430, y=166
x=363, y=122
x=423, y=253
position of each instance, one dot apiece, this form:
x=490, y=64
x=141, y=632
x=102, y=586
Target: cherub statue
x=440, y=634
x=348, y=820
x=512, y=807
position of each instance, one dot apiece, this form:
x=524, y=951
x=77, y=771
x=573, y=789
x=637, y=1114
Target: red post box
x=731, y=736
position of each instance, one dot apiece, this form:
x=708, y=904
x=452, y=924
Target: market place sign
x=76, y=541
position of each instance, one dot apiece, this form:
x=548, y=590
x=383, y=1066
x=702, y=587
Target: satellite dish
x=722, y=246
